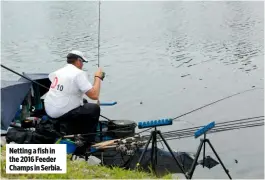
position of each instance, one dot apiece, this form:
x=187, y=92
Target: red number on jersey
x=54, y=83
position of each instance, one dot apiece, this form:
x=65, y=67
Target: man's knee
x=95, y=108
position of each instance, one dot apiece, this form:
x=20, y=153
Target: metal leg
x=203, y=161
x=227, y=172
x=191, y=171
x=72, y=157
x=145, y=148
x=181, y=168
x=100, y=132
x=153, y=151
x=102, y=158
x=127, y=163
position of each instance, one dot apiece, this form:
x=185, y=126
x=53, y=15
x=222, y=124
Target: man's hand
x=100, y=74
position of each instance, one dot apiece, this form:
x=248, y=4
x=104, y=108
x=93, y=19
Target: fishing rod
x=242, y=92
x=98, y=29
x=103, y=73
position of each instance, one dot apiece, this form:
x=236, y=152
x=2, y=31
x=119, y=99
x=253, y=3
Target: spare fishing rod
x=219, y=127
x=216, y=130
x=24, y=77
x=242, y=92
x=221, y=124
x=244, y=120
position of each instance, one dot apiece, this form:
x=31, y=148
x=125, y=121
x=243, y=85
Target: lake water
x=161, y=59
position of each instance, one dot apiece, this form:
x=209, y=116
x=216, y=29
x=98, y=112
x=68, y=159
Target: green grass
x=81, y=170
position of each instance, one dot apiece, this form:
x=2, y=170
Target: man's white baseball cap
x=77, y=54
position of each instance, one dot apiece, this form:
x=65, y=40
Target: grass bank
x=80, y=170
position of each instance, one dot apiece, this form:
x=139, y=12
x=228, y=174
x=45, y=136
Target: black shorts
x=81, y=120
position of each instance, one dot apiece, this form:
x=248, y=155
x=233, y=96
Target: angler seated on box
x=64, y=100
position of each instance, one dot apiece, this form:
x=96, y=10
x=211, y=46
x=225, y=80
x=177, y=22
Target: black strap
x=99, y=78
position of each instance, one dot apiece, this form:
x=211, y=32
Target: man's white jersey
x=66, y=91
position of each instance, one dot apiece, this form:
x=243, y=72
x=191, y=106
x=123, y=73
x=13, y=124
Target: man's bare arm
x=93, y=93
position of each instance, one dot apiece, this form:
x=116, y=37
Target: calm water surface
x=171, y=56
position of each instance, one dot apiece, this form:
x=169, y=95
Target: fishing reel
x=79, y=140
x=103, y=75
